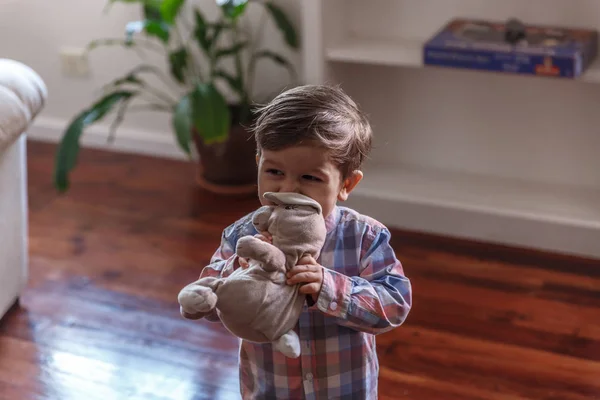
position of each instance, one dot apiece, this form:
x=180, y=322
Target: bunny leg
x=272, y=258
x=288, y=344
x=199, y=297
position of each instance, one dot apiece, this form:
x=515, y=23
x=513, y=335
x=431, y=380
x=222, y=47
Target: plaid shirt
x=364, y=293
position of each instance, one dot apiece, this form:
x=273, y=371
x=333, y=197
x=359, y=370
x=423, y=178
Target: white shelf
x=593, y=73
x=463, y=121
x=552, y=217
x=404, y=53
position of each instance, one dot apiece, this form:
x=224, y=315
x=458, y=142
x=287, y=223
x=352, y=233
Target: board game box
x=512, y=47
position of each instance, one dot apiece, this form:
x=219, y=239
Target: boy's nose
x=290, y=186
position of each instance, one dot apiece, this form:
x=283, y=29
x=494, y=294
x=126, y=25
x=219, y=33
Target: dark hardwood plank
x=400, y=385
x=484, y=365
x=99, y=318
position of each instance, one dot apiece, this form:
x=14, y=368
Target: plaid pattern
x=364, y=293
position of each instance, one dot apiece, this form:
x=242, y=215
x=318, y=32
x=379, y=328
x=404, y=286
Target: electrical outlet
x=74, y=62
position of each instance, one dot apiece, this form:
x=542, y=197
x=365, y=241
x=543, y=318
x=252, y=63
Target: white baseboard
x=48, y=129
x=547, y=217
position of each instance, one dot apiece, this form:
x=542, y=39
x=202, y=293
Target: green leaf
x=201, y=31
x=131, y=78
x=152, y=12
x=182, y=123
x=147, y=4
x=66, y=155
x=179, y=61
x=169, y=10
x=94, y=44
x=122, y=109
x=231, y=50
x=277, y=59
x=105, y=104
x=234, y=82
x=232, y=8
x=158, y=29
x=212, y=117
x=284, y=24
x=153, y=3
x=217, y=29
x=68, y=150
x=207, y=34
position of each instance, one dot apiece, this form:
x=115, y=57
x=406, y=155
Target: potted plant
x=197, y=56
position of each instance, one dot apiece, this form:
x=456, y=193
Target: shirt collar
x=331, y=220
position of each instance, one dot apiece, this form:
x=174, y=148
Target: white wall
x=33, y=31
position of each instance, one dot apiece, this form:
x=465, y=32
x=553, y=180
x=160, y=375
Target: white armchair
x=22, y=96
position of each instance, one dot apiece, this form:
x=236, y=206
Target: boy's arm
x=222, y=264
x=377, y=300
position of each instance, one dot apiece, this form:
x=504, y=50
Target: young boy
x=313, y=140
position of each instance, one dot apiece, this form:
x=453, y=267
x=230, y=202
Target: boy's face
x=307, y=170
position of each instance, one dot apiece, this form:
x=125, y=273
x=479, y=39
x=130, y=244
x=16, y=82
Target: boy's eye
x=311, y=178
x=274, y=171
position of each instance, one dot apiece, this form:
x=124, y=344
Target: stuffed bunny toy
x=255, y=303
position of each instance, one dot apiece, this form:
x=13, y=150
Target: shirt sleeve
x=223, y=262
x=378, y=299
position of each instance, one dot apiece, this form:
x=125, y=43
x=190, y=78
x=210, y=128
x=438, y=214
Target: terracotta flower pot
x=228, y=168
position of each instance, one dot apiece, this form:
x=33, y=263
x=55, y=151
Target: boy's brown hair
x=316, y=115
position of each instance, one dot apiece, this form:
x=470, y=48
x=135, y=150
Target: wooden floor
x=100, y=318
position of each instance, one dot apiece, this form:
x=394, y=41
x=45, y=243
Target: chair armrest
x=23, y=94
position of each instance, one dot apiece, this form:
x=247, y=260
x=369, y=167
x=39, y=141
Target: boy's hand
x=243, y=263
x=265, y=237
x=310, y=274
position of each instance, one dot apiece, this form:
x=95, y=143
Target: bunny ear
x=292, y=199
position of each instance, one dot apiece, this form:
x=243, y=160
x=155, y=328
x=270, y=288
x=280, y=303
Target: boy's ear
x=257, y=158
x=349, y=184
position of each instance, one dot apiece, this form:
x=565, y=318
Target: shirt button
x=333, y=306
x=309, y=376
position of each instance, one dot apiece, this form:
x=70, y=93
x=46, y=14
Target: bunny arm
x=270, y=256
x=261, y=218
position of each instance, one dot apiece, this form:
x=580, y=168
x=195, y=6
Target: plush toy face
x=293, y=215
x=289, y=208
x=293, y=201
x=295, y=222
